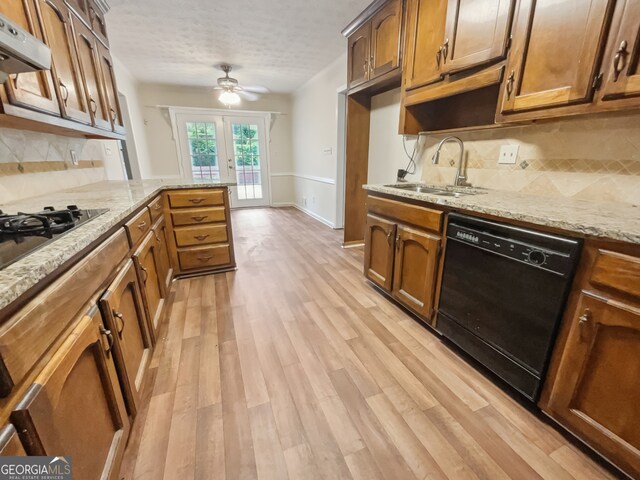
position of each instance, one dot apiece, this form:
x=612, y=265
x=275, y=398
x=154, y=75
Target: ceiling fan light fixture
x=229, y=98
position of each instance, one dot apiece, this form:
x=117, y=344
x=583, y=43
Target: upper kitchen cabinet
x=79, y=95
x=29, y=90
x=555, y=58
x=477, y=33
x=56, y=19
x=386, y=26
x=375, y=46
x=621, y=70
x=425, y=37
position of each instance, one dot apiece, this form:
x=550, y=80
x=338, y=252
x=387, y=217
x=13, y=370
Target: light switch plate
x=508, y=154
x=327, y=151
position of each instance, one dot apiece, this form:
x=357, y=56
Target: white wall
x=163, y=159
x=386, y=152
x=315, y=132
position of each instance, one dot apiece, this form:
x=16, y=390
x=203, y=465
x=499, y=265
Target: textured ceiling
x=278, y=44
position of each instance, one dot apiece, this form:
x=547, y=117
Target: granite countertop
x=586, y=218
x=121, y=198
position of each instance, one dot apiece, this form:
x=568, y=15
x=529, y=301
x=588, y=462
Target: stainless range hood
x=20, y=52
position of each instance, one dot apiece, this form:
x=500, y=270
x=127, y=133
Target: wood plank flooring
x=294, y=367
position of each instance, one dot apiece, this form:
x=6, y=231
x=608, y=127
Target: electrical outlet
x=509, y=154
x=327, y=151
x=74, y=158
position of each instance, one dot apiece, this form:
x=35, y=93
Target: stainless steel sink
x=441, y=192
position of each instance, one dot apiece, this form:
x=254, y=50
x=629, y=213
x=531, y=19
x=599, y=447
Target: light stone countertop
x=121, y=198
x=579, y=217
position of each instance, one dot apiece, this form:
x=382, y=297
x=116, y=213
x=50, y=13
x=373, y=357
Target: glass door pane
x=203, y=151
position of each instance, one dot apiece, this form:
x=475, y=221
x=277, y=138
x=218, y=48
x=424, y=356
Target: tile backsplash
x=36, y=163
x=595, y=158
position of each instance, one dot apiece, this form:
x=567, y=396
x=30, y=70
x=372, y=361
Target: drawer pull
x=196, y=201
x=585, y=318
x=199, y=219
x=205, y=259
x=142, y=225
x=201, y=237
x=119, y=317
x=157, y=206
x=146, y=274
x=107, y=333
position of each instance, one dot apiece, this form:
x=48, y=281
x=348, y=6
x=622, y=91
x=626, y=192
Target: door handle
x=585, y=318
x=107, y=333
x=230, y=164
x=94, y=106
x=389, y=236
x=64, y=90
x=510, y=81
x=146, y=274
x=445, y=50
x=119, y=317
x=439, y=56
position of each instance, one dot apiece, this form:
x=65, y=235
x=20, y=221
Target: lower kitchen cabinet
x=10, y=445
x=415, y=270
x=594, y=391
x=75, y=407
x=148, y=264
x=402, y=252
x=379, y=251
x=166, y=271
x=124, y=315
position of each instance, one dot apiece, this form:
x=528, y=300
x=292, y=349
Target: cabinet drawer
x=197, y=216
x=407, y=213
x=209, y=198
x=204, y=257
x=616, y=271
x=138, y=227
x=155, y=209
x=200, y=235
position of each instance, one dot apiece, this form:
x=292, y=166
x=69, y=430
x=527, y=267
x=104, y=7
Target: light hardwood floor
x=294, y=367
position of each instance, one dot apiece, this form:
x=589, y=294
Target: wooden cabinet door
x=385, y=39
x=166, y=271
x=81, y=7
x=29, y=90
x=476, y=33
x=379, y=251
x=148, y=264
x=415, y=270
x=91, y=73
x=98, y=23
x=555, y=54
x=10, y=445
x=124, y=315
x=597, y=387
x=58, y=32
x=111, y=89
x=425, y=37
x=358, y=56
x=75, y=407
x=621, y=66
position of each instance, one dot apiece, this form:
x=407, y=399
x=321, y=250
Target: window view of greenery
x=204, y=152
x=246, y=149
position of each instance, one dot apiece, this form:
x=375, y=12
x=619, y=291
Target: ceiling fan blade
x=252, y=97
x=255, y=89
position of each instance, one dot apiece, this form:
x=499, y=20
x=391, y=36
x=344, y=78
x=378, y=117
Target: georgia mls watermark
x=35, y=468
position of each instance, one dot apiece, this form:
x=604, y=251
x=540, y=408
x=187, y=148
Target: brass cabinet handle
x=199, y=219
x=439, y=56
x=114, y=115
x=585, y=318
x=157, y=206
x=64, y=90
x=146, y=273
x=390, y=236
x=510, y=82
x=107, y=333
x=142, y=225
x=201, y=237
x=398, y=242
x=205, y=259
x=94, y=105
x=196, y=201
x=118, y=316
x=620, y=60
x=445, y=50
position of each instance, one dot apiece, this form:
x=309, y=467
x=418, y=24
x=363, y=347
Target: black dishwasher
x=503, y=292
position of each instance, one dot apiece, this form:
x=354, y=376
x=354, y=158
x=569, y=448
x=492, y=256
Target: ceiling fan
x=232, y=92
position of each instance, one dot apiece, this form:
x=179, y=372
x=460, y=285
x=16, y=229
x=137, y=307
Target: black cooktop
x=23, y=233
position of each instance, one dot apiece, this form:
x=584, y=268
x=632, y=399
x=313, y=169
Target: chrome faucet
x=461, y=178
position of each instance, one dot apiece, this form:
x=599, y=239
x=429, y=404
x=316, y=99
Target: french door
x=227, y=149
